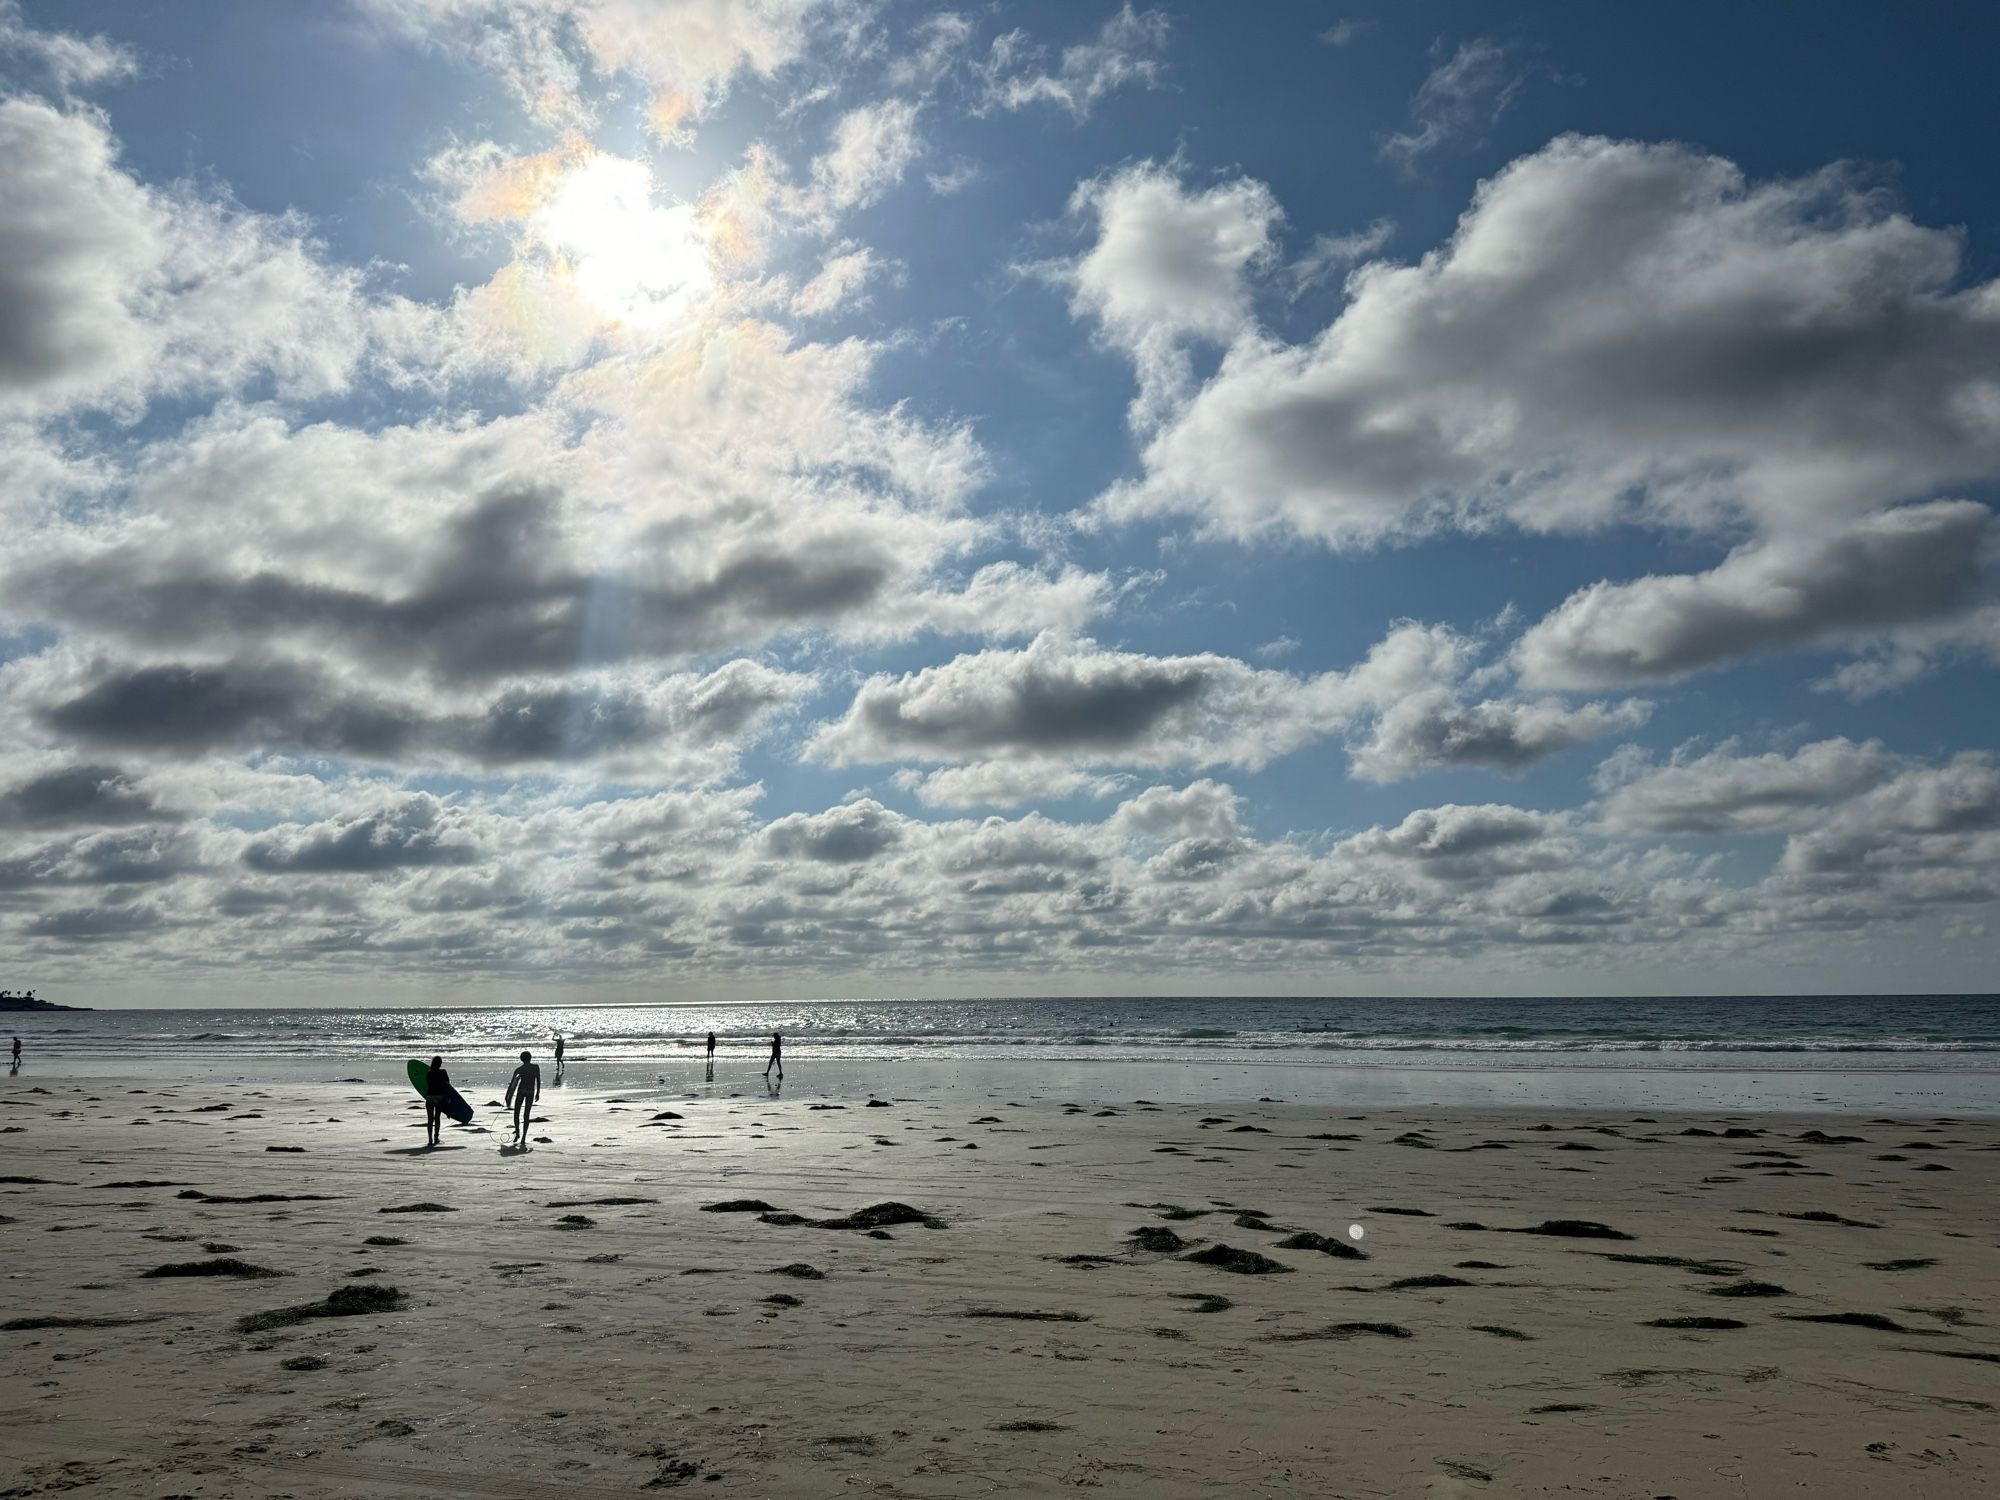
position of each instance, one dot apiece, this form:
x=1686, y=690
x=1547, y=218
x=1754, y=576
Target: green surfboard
x=454, y=1103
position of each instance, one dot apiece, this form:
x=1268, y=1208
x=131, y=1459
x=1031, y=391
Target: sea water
x=1935, y=1053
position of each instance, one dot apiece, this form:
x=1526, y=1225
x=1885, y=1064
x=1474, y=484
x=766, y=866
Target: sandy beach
x=986, y=1296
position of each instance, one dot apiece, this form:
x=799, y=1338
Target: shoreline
x=1399, y=1082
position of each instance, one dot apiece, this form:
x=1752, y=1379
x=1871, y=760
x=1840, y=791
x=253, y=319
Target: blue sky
x=827, y=497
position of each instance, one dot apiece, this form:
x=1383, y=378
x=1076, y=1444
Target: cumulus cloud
x=1614, y=331
x=1168, y=266
x=1065, y=707
x=1126, y=51
x=1882, y=570
x=1726, y=791
x=1433, y=729
x=529, y=884
x=112, y=292
x=419, y=831
x=86, y=793
x=1062, y=699
x=675, y=727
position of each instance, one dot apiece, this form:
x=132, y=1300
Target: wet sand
x=985, y=1295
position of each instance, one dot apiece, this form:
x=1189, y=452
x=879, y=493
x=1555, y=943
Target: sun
x=633, y=261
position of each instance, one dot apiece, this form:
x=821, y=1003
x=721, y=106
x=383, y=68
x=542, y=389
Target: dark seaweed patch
x=1241, y=1262
x=223, y=1267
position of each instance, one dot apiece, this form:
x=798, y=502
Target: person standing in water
x=777, y=1057
x=559, y=1054
x=436, y=1083
x=17, y=1050
x=523, y=1089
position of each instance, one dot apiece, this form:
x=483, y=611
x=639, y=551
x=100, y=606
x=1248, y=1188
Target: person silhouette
x=559, y=1052
x=523, y=1089
x=777, y=1057
x=711, y=1057
x=436, y=1082
x=17, y=1054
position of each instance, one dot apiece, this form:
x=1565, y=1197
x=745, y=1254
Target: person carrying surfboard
x=523, y=1089
x=437, y=1085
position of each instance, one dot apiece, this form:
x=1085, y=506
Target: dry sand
x=1023, y=1347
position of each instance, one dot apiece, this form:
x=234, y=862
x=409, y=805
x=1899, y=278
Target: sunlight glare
x=632, y=260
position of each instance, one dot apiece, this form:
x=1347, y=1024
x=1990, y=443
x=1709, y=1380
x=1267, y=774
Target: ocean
x=1938, y=1053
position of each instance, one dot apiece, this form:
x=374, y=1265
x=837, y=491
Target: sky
x=623, y=500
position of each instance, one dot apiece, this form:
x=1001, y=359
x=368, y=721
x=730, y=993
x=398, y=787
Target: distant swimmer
x=523, y=1089
x=777, y=1057
x=437, y=1088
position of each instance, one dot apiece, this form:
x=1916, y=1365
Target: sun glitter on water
x=632, y=260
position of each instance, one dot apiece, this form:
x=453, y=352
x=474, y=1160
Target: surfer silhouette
x=523, y=1089
x=437, y=1085
x=777, y=1057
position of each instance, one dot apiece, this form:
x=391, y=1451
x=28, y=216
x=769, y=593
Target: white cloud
x=1434, y=729
x=686, y=52
x=1883, y=570
x=872, y=147
x=1127, y=51
x=1725, y=791
x=1465, y=93
x=1064, y=708
x=1331, y=253
x=1615, y=332
x=1341, y=33
x=838, y=283
x=71, y=61
x=112, y=292
x=1168, y=266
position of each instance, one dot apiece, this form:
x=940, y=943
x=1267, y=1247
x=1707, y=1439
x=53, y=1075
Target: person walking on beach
x=436, y=1084
x=711, y=1057
x=559, y=1054
x=523, y=1089
x=17, y=1050
x=777, y=1057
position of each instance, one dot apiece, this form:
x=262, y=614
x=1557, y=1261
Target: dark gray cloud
x=83, y=924
x=1433, y=730
x=1062, y=702
x=414, y=834
x=1727, y=791
x=851, y=834
x=86, y=794
x=1914, y=563
x=683, y=725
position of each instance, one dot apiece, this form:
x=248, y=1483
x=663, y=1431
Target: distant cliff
x=22, y=1002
